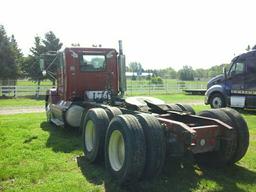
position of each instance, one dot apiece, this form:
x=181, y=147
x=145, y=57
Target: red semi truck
x=134, y=135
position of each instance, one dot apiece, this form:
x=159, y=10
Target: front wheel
x=93, y=136
x=217, y=100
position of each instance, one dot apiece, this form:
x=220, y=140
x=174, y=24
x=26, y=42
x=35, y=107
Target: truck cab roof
x=251, y=53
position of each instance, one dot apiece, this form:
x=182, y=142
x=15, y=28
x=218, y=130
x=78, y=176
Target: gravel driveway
x=17, y=110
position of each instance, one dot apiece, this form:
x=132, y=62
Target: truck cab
x=84, y=75
x=237, y=86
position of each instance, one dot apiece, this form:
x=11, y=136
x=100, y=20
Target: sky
x=156, y=33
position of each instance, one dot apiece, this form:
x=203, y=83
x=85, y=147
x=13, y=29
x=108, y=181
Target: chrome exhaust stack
x=122, y=69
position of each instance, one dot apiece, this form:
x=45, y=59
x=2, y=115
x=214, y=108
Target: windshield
x=237, y=66
x=92, y=63
x=232, y=62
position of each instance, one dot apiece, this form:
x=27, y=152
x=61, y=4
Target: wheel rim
x=89, y=135
x=116, y=150
x=217, y=102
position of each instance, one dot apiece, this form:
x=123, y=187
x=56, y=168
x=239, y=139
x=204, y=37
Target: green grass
x=179, y=97
x=36, y=156
x=19, y=102
x=29, y=83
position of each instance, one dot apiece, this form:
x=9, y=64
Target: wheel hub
x=217, y=103
x=89, y=135
x=116, y=150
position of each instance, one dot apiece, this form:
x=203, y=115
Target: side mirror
x=44, y=73
x=225, y=72
x=41, y=63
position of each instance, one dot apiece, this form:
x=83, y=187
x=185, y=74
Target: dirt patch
x=17, y=110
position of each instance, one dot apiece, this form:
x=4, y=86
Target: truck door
x=250, y=82
x=235, y=83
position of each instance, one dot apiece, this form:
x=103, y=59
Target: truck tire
x=242, y=133
x=187, y=108
x=112, y=112
x=156, y=145
x=227, y=147
x=217, y=100
x=125, y=149
x=93, y=136
x=83, y=119
x=48, y=109
x=48, y=114
x=174, y=107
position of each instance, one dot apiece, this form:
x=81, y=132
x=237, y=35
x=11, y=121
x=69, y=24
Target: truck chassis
x=135, y=135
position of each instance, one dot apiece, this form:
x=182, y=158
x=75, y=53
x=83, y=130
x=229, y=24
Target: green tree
x=186, y=73
x=17, y=55
x=201, y=73
x=216, y=70
x=167, y=73
x=8, y=57
x=51, y=44
x=31, y=67
x=135, y=67
x=156, y=80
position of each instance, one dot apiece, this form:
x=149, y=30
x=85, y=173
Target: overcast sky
x=159, y=34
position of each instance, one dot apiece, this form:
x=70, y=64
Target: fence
x=133, y=88
x=20, y=91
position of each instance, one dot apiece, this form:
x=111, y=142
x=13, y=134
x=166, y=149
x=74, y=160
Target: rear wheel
x=94, y=129
x=156, y=144
x=187, y=108
x=227, y=143
x=125, y=149
x=174, y=107
x=217, y=101
x=112, y=112
x=242, y=133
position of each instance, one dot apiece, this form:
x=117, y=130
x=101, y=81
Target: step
x=57, y=122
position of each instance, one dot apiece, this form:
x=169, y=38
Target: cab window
x=237, y=68
x=92, y=63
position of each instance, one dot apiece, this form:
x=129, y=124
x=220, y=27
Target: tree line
x=187, y=73
x=14, y=64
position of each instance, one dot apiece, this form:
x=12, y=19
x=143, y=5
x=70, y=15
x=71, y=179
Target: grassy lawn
x=175, y=98
x=36, y=156
x=19, y=102
x=29, y=83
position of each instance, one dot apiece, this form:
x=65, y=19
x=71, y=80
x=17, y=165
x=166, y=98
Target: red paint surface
x=73, y=84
